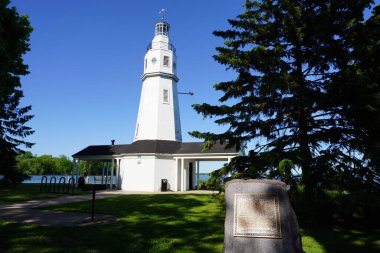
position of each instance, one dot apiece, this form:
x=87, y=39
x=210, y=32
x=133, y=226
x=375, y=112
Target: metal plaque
x=257, y=215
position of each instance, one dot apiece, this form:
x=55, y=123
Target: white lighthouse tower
x=158, y=117
x=157, y=159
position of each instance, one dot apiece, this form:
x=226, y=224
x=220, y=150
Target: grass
x=339, y=239
x=26, y=192
x=163, y=223
x=149, y=223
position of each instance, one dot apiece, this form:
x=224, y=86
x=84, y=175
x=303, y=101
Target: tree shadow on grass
x=148, y=223
x=339, y=239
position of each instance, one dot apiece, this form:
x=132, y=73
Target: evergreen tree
x=14, y=42
x=357, y=88
x=287, y=55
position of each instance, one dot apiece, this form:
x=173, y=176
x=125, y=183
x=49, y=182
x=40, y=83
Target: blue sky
x=86, y=61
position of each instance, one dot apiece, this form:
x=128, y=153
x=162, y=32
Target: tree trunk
x=305, y=154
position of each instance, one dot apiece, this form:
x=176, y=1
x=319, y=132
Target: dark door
x=191, y=176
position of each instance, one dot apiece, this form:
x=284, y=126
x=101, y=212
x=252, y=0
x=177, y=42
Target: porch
x=188, y=169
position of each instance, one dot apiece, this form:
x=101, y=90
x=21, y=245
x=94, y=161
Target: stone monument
x=259, y=218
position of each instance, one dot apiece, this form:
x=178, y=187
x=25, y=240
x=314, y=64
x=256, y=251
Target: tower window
x=166, y=61
x=165, y=96
x=146, y=63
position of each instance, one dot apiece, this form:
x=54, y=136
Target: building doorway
x=191, y=176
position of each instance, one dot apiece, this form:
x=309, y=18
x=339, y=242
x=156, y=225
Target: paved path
x=25, y=212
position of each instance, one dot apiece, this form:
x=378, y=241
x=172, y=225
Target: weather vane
x=162, y=13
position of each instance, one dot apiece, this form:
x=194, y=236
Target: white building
x=157, y=152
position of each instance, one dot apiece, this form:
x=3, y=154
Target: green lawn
x=25, y=192
x=162, y=223
x=149, y=223
x=336, y=239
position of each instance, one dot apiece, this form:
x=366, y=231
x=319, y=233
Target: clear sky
x=86, y=61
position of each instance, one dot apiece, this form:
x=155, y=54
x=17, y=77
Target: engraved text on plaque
x=257, y=215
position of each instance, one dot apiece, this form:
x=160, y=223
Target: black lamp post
x=186, y=93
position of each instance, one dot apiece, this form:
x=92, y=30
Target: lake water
x=204, y=177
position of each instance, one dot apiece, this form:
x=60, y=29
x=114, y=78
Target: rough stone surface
x=290, y=241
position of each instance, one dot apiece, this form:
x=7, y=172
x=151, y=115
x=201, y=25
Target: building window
x=146, y=63
x=166, y=61
x=174, y=65
x=165, y=96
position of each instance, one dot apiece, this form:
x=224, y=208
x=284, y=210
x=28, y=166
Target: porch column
x=117, y=174
x=197, y=168
x=112, y=172
x=182, y=175
x=78, y=171
x=73, y=168
x=176, y=175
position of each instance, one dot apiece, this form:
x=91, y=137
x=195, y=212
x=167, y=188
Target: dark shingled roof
x=151, y=146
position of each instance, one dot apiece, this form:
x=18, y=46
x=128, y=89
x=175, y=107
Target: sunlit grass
x=310, y=245
x=326, y=240
x=149, y=223
x=26, y=192
x=162, y=223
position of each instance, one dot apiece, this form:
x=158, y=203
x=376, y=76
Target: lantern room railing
x=161, y=45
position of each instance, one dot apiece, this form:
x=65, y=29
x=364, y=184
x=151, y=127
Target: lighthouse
x=158, y=116
x=157, y=159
